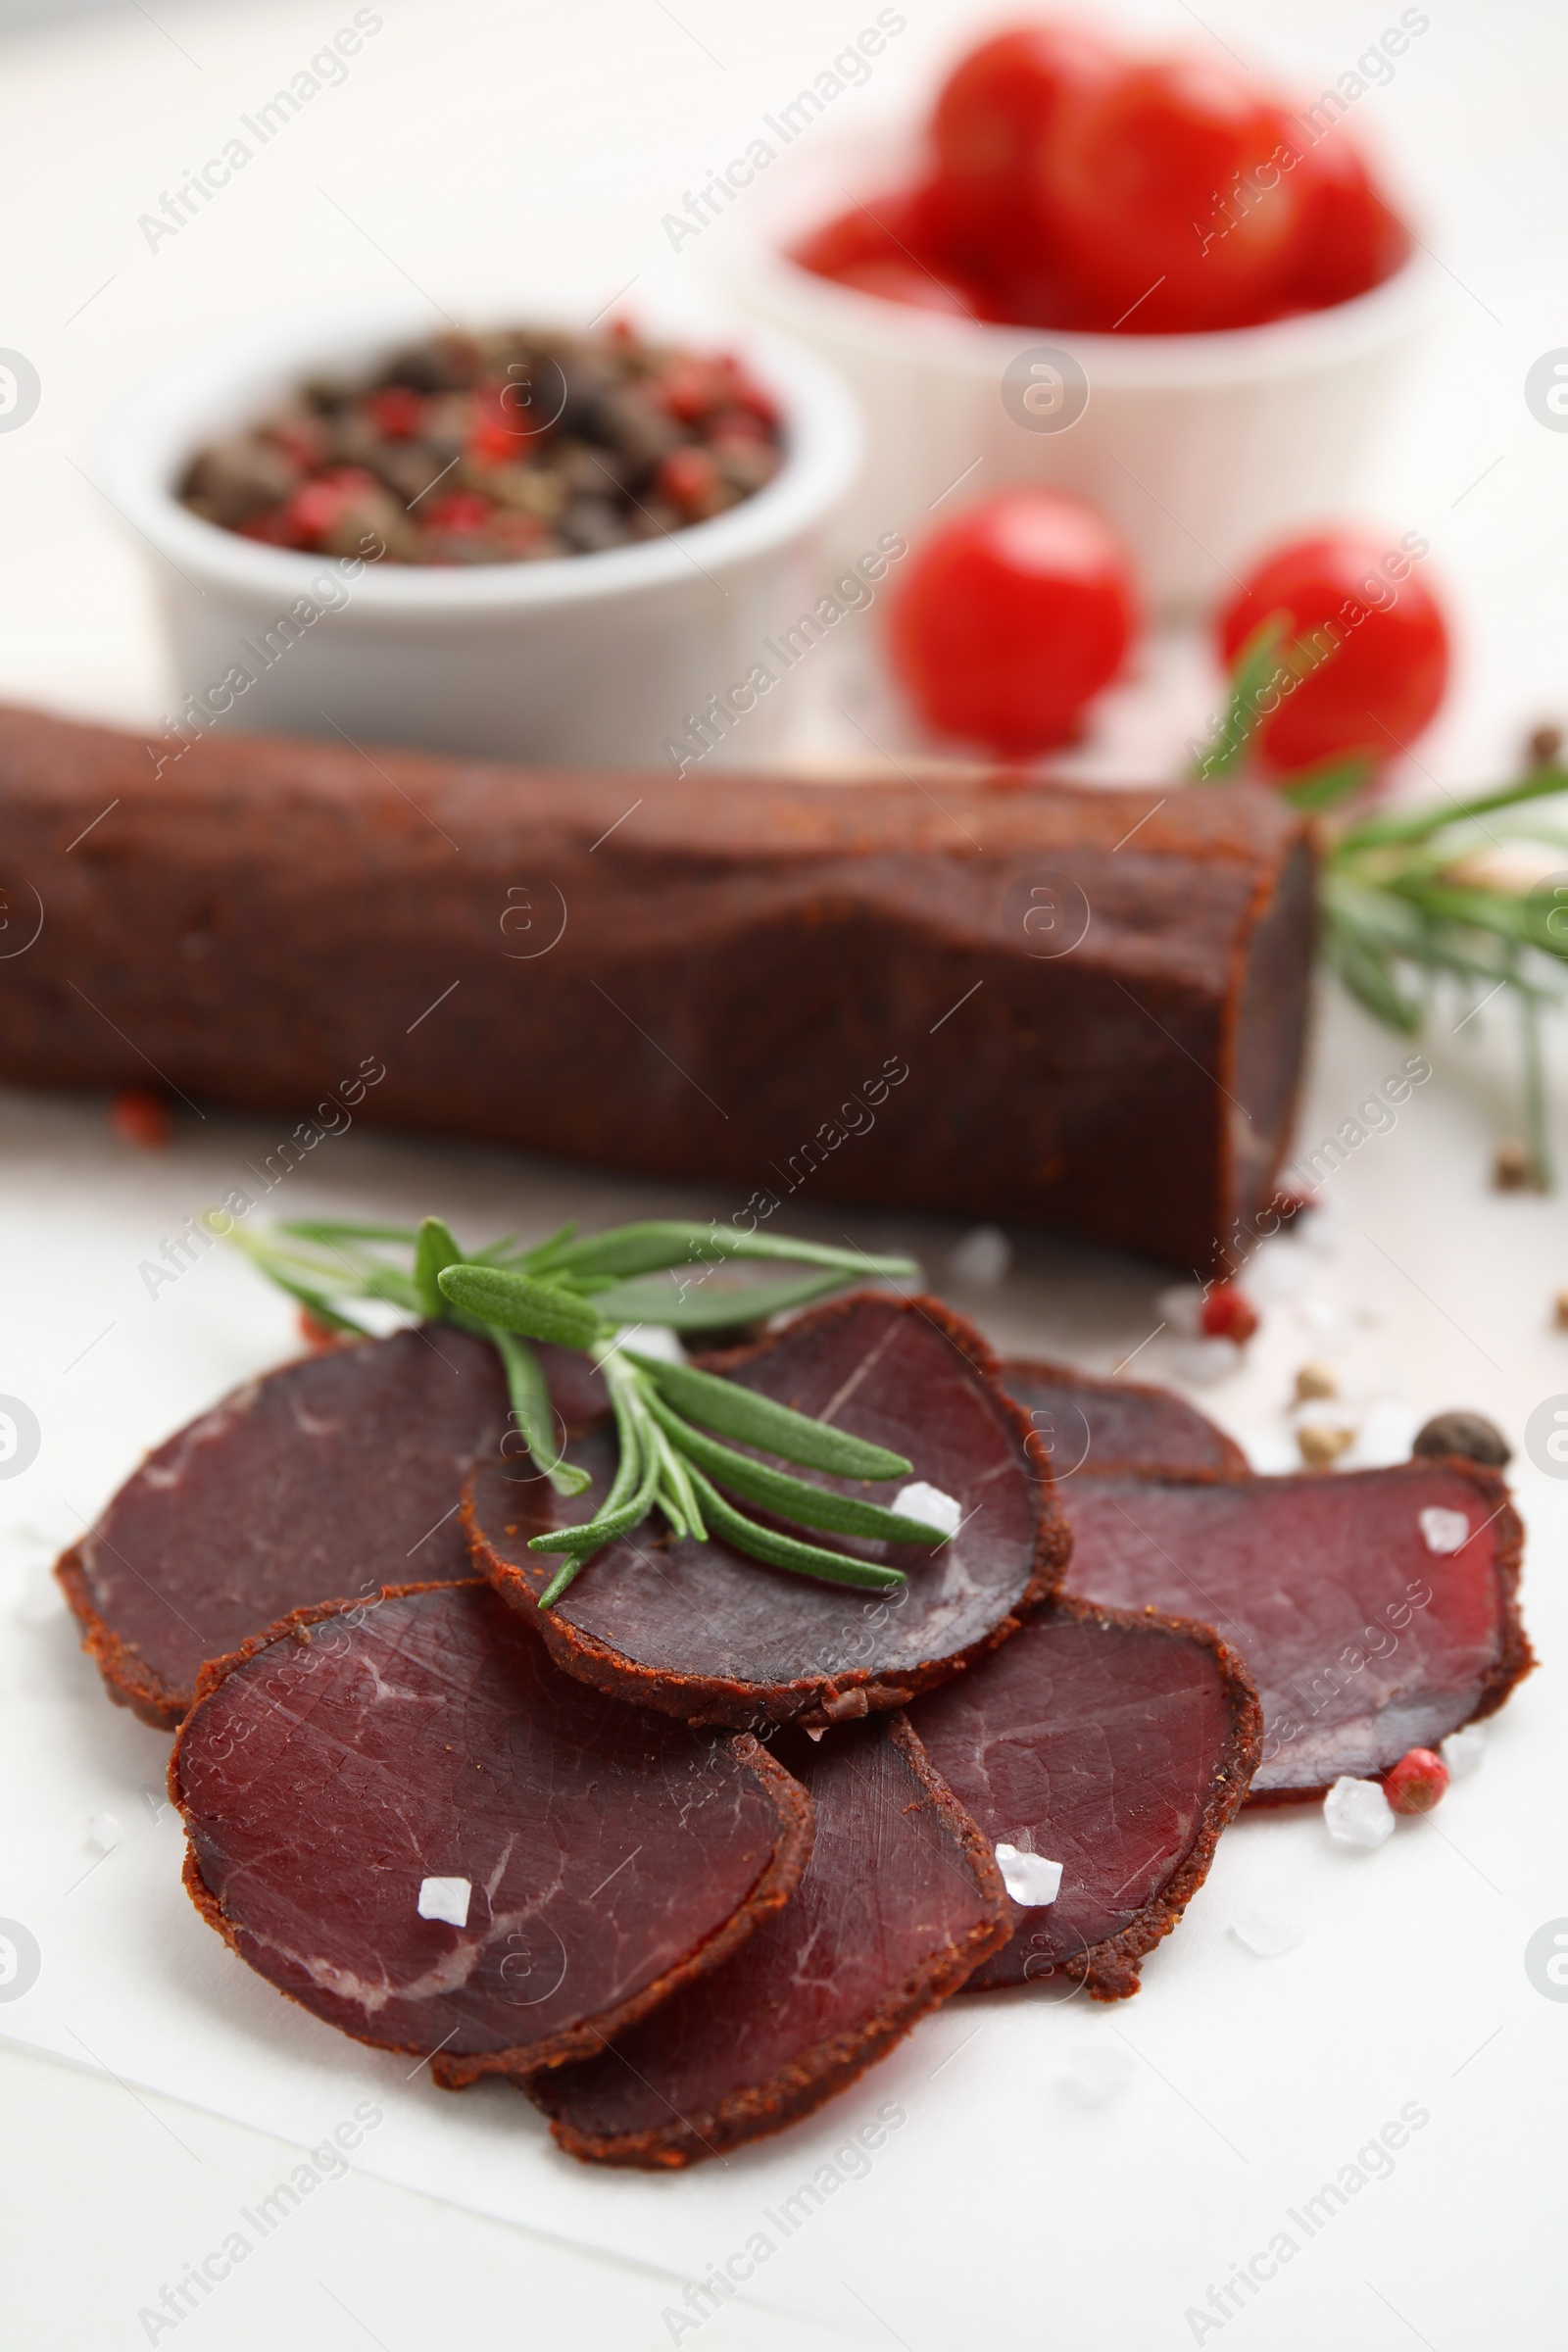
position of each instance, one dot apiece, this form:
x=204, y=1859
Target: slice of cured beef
x=322, y=1480
x=705, y=1632
x=1118, y=1747
x=900, y=1899
x=592, y=1857
x=1377, y=1610
x=1111, y=1425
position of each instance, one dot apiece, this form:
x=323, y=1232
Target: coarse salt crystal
x=930, y=1506
x=1203, y=1361
x=1358, y=1813
x=1179, y=1306
x=1266, y=1932
x=104, y=1831
x=1444, y=1531
x=1029, y=1878
x=1098, y=2073
x=657, y=1340
x=982, y=1256
x=446, y=1899
x=1463, y=1750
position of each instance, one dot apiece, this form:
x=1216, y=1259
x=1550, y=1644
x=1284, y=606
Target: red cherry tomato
x=993, y=112
x=885, y=229
x=1011, y=617
x=1384, y=678
x=1171, y=190
x=1347, y=240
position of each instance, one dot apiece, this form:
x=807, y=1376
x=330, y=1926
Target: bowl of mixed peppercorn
x=532, y=541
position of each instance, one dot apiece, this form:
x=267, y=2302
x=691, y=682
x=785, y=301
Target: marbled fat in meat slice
x=707, y=1633
x=1118, y=1747
x=900, y=1899
x=322, y=1480
x=1112, y=1425
x=1363, y=1640
x=609, y=1854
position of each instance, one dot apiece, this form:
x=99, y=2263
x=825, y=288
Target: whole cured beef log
x=322, y=1480
x=1377, y=1610
x=900, y=1899
x=1118, y=1747
x=986, y=1006
x=707, y=1633
x=407, y=1820
x=1113, y=1425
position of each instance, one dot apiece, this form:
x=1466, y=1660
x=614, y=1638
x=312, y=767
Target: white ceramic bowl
x=1201, y=448
x=590, y=659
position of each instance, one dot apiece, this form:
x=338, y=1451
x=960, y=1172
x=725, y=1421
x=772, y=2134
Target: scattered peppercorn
x=1470, y=1435
x=1560, y=1308
x=1315, y=1381
x=501, y=448
x=1418, y=1782
x=1543, y=747
x=1321, y=1443
x=1512, y=1166
x=141, y=1117
x=1227, y=1313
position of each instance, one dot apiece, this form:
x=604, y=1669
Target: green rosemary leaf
x=1325, y=785
x=513, y=1301
x=676, y=1477
x=787, y=1551
x=699, y=1306
x=634, y=1437
x=1418, y=825
x=1366, y=968
x=396, y=1288
x=615, y=1518
x=435, y=1249
x=1251, y=671
x=740, y=1412
x=1498, y=912
x=562, y=1577
x=336, y=1229
x=544, y=1254
x=322, y=1308
x=532, y=1410
x=790, y=1498
x=666, y=1242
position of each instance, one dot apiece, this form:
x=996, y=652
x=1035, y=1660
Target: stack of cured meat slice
x=686, y=1853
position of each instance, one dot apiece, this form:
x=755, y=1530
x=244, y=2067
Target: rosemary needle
x=671, y=1419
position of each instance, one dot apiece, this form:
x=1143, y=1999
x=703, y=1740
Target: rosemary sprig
x=671, y=1419
x=1406, y=901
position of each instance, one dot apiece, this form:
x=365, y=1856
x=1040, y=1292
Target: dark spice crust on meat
x=1109, y=1970
x=128, y=1678
x=820, y=2073
x=772, y=1890
x=818, y=1700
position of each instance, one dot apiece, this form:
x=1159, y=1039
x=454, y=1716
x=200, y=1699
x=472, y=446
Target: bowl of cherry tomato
x=1146, y=281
